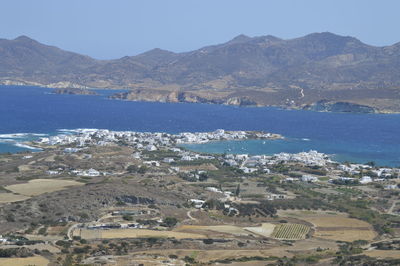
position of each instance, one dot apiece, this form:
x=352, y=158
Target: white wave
x=7, y=140
x=21, y=145
x=21, y=135
x=78, y=130
x=67, y=130
x=15, y=135
x=305, y=139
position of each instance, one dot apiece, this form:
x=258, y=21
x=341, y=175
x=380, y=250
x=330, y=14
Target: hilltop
x=320, y=71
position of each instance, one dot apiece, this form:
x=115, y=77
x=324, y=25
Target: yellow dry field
x=134, y=233
x=36, y=260
x=395, y=254
x=10, y=197
x=24, y=168
x=266, y=229
x=334, y=226
x=56, y=230
x=343, y=234
x=336, y=221
x=40, y=186
x=225, y=229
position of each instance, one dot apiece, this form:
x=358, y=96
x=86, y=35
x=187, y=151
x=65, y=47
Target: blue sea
x=347, y=137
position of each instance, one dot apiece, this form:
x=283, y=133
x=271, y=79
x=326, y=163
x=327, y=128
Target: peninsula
x=96, y=196
x=320, y=71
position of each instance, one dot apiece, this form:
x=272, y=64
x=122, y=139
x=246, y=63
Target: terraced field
x=290, y=231
x=334, y=226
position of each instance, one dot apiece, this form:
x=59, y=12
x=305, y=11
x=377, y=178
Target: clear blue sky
x=113, y=28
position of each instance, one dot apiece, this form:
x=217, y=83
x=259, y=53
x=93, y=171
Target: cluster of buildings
x=310, y=158
x=90, y=172
x=380, y=172
x=221, y=134
x=106, y=226
x=147, y=140
x=250, y=164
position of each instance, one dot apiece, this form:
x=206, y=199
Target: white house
x=197, y=203
x=365, y=180
x=168, y=160
x=309, y=178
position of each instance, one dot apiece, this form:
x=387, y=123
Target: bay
x=349, y=137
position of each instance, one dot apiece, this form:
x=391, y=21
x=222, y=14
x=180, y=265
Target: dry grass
x=9, y=197
x=336, y=221
x=225, y=229
x=36, y=260
x=40, y=186
x=204, y=167
x=204, y=256
x=56, y=230
x=345, y=234
x=133, y=233
x=395, y=254
x=266, y=229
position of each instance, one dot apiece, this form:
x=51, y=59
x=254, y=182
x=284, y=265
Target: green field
x=290, y=231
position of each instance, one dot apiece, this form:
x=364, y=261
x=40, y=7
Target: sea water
x=347, y=137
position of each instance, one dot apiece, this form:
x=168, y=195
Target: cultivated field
x=225, y=229
x=336, y=221
x=132, y=233
x=266, y=229
x=40, y=186
x=9, y=197
x=334, y=226
x=36, y=260
x=290, y=231
x=344, y=234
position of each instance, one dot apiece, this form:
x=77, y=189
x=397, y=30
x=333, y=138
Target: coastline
x=235, y=101
x=234, y=142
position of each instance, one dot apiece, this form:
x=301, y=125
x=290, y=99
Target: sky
x=108, y=29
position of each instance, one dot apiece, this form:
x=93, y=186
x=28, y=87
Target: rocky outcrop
x=151, y=95
x=75, y=91
x=340, y=107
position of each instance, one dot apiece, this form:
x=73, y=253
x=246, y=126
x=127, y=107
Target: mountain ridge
x=264, y=70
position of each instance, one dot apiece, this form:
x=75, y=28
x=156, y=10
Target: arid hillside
x=320, y=71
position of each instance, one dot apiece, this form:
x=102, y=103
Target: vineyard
x=290, y=231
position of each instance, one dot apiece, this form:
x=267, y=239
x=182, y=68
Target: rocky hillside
x=262, y=70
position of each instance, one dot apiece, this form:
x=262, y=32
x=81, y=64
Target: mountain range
x=320, y=71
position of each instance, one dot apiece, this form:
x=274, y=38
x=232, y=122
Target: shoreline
x=22, y=145
x=212, y=101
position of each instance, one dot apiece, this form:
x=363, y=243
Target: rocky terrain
x=263, y=71
x=74, y=91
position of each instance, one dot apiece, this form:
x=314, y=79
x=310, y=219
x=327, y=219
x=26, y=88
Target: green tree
x=237, y=192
